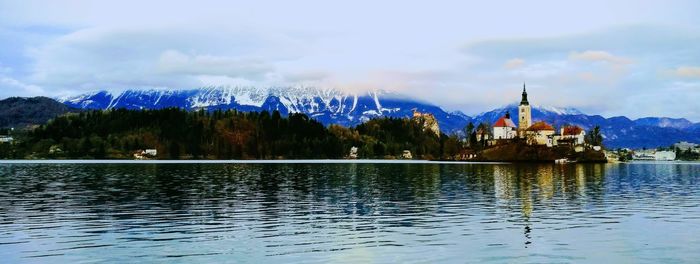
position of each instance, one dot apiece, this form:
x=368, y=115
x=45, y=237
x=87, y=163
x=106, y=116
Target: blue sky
x=633, y=58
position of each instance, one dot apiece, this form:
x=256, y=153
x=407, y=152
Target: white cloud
x=599, y=56
x=13, y=87
x=175, y=62
x=514, y=63
x=685, y=72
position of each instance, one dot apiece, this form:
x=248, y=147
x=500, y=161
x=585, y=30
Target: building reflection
x=529, y=187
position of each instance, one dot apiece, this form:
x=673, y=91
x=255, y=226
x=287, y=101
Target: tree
x=468, y=130
x=594, y=137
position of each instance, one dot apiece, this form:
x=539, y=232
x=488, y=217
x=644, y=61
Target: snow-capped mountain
x=331, y=106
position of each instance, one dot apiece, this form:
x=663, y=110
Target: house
x=151, y=152
x=429, y=121
x=6, y=139
x=353, y=153
x=654, y=155
x=146, y=154
x=482, y=134
x=540, y=133
x=684, y=145
x=504, y=128
x=570, y=135
x=665, y=155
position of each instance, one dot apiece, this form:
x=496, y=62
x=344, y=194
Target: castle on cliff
x=428, y=120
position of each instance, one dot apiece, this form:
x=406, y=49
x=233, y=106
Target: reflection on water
x=349, y=213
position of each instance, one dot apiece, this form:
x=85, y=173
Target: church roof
x=571, y=130
x=539, y=126
x=504, y=122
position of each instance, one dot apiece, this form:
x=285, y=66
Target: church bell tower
x=524, y=114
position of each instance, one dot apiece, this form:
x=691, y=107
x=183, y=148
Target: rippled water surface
x=386, y=213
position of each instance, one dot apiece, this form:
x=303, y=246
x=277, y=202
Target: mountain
x=331, y=106
x=680, y=123
x=21, y=112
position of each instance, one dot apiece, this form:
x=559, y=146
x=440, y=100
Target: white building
x=504, y=128
x=654, y=155
x=6, y=139
x=665, y=155
x=684, y=145
x=571, y=135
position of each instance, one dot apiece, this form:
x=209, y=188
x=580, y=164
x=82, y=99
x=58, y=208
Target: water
x=320, y=213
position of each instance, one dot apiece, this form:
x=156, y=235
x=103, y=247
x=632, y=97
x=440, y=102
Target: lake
x=349, y=212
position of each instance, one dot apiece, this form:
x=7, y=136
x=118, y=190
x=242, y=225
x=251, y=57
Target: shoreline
x=290, y=161
x=310, y=161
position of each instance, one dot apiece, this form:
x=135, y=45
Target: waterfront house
x=6, y=139
x=654, y=155
x=570, y=135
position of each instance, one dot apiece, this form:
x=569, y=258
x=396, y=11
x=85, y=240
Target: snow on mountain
x=664, y=122
x=331, y=106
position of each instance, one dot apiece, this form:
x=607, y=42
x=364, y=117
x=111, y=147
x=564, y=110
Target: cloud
x=307, y=76
x=124, y=58
x=599, y=56
x=514, y=63
x=685, y=72
x=175, y=62
x=13, y=87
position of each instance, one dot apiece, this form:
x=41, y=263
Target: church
x=505, y=128
x=539, y=133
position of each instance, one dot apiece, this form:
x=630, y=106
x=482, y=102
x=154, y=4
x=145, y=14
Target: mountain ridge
x=331, y=106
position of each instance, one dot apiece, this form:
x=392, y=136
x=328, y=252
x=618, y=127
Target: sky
x=632, y=58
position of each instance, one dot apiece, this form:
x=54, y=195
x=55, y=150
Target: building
x=654, y=155
x=540, y=133
x=146, y=154
x=482, y=134
x=684, y=145
x=665, y=155
x=524, y=114
x=570, y=135
x=428, y=120
x=353, y=153
x=6, y=139
x=504, y=128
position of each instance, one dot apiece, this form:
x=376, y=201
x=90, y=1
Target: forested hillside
x=180, y=134
x=20, y=112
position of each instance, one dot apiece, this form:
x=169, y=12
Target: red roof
x=540, y=126
x=572, y=131
x=504, y=122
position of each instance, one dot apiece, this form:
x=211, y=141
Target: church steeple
x=524, y=100
x=524, y=114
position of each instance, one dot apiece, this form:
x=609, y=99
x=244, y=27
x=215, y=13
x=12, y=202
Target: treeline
x=179, y=134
